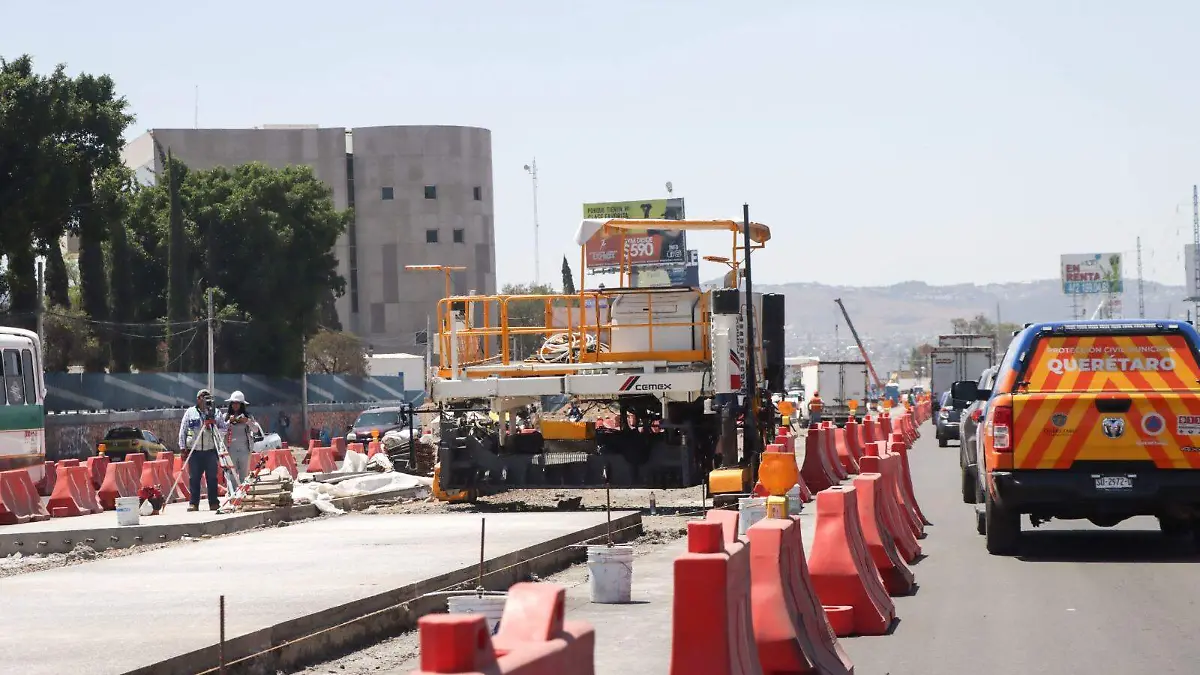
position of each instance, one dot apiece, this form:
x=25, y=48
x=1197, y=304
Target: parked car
x=948, y=415
x=382, y=420
x=968, y=430
x=120, y=442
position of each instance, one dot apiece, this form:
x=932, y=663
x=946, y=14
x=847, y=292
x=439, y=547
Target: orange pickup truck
x=1096, y=420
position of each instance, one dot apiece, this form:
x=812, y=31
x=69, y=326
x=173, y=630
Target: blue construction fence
x=67, y=392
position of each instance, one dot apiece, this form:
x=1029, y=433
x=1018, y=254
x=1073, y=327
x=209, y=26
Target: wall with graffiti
x=77, y=434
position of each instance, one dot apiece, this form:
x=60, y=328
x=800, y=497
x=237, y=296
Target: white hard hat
x=237, y=397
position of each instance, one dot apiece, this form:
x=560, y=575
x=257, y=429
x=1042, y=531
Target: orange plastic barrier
x=183, y=475
x=97, y=466
x=711, y=629
x=854, y=439
x=280, y=457
x=894, y=519
x=905, y=482
x=870, y=430
x=791, y=630
x=897, y=477
x=339, y=448
x=322, y=461
x=73, y=493
x=885, y=427
x=813, y=469
x=158, y=474
x=138, y=460
x=19, y=499
x=728, y=520
x=830, y=449
x=841, y=568
x=68, y=462
x=533, y=640
x=898, y=579
x=847, y=459
x=374, y=448
x=167, y=455
x=120, y=480
x=45, y=486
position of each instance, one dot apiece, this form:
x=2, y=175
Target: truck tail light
x=975, y=415
x=1001, y=428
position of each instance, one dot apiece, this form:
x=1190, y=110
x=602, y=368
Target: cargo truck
x=951, y=364
x=840, y=382
x=967, y=340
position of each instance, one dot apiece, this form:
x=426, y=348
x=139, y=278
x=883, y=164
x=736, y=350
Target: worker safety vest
x=815, y=405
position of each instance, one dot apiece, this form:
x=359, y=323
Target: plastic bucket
x=490, y=606
x=127, y=510
x=750, y=511
x=610, y=573
x=794, y=502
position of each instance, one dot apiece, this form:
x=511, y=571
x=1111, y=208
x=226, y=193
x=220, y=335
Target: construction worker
x=199, y=429
x=243, y=430
x=815, y=406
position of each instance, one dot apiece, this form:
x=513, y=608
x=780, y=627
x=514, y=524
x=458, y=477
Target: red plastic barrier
x=854, y=439
x=847, y=459
x=374, y=448
x=68, y=462
x=872, y=517
x=829, y=447
x=711, y=629
x=167, y=455
x=894, y=519
x=183, y=475
x=45, y=486
x=339, y=448
x=19, y=499
x=533, y=639
x=841, y=568
x=120, y=480
x=279, y=457
x=138, y=460
x=65, y=501
x=870, y=430
x=905, y=483
x=322, y=461
x=791, y=630
x=157, y=474
x=813, y=469
x=97, y=466
x=910, y=516
x=728, y=520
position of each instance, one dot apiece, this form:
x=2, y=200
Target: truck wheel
x=943, y=442
x=1003, y=528
x=968, y=487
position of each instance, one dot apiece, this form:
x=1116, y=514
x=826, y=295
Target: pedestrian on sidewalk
x=199, y=429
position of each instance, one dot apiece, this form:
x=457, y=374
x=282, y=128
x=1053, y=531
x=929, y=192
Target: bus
x=22, y=403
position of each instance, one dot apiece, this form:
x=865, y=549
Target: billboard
x=642, y=247
x=673, y=275
x=1087, y=273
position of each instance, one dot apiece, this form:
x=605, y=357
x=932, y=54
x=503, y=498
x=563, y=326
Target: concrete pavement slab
x=123, y=614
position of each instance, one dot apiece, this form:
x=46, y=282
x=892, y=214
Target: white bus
x=22, y=403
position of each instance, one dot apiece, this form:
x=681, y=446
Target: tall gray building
x=420, y=194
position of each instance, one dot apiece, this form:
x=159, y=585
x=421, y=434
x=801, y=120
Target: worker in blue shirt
x=201, y=422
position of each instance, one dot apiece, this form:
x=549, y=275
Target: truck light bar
x=1121, y=327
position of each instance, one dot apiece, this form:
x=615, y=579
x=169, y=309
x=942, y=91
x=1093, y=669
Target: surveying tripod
x=225, y=465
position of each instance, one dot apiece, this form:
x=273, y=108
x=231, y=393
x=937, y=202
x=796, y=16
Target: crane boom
x=862, y=350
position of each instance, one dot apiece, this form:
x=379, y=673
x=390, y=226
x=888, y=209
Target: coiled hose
x=558, y=348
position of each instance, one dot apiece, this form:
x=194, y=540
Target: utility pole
x=750, y=440
x=211, y=347
x=428, y=354
x=1141, y=291
x=40, y=306
x=531, y=168
x=304, y=389
x=1195, y=289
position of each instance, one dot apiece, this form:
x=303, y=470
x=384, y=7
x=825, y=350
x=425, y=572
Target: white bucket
x=127, y=510
x=490, y=606
x=750, y=511
x=794, y=503
x=610, y=571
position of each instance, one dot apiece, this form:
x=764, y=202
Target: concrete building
x=420, y=194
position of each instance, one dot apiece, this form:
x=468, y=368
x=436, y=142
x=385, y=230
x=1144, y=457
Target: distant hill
x=911, y=312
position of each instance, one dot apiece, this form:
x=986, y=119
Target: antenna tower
x=1195, y=290
x=1141, y=294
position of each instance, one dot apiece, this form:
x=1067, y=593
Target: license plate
x=1114, y=483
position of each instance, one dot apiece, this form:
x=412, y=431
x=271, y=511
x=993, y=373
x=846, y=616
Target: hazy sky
x=882, y=141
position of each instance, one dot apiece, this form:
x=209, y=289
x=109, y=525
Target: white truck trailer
x=840, y=382
x=954, y=363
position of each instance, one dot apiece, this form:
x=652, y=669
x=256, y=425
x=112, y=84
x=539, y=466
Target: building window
x=460, y=236
x=478, y=193
x=430, y=192
x=431, y=236
x=388, y=193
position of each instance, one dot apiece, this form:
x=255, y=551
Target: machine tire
x=1174, y=527
x=1003, y=528
x=968, y=487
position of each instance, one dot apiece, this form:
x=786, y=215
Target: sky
x=881, y=141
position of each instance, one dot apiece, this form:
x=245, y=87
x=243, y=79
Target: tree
x=337, y=353
x=70, y=340
x=526, y=313
x=919, y=356
x=982, y=325
x=568, y=278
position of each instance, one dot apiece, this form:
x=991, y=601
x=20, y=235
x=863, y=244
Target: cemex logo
x=631, y=384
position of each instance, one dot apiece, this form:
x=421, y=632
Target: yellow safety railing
x=564, y=330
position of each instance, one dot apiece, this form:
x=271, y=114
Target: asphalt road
x=1079, y=599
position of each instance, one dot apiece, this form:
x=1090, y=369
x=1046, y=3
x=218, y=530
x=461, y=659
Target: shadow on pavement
x=1106, y=546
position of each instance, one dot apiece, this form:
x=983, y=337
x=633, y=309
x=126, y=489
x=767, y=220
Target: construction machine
x=671, y=363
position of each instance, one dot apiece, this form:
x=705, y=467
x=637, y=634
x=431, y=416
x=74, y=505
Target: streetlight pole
x=531, y=168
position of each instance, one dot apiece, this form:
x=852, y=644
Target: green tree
x=336, y=353
x=567, y=278
x=70, y=340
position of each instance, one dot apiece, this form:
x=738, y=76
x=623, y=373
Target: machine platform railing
x=530, y=335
